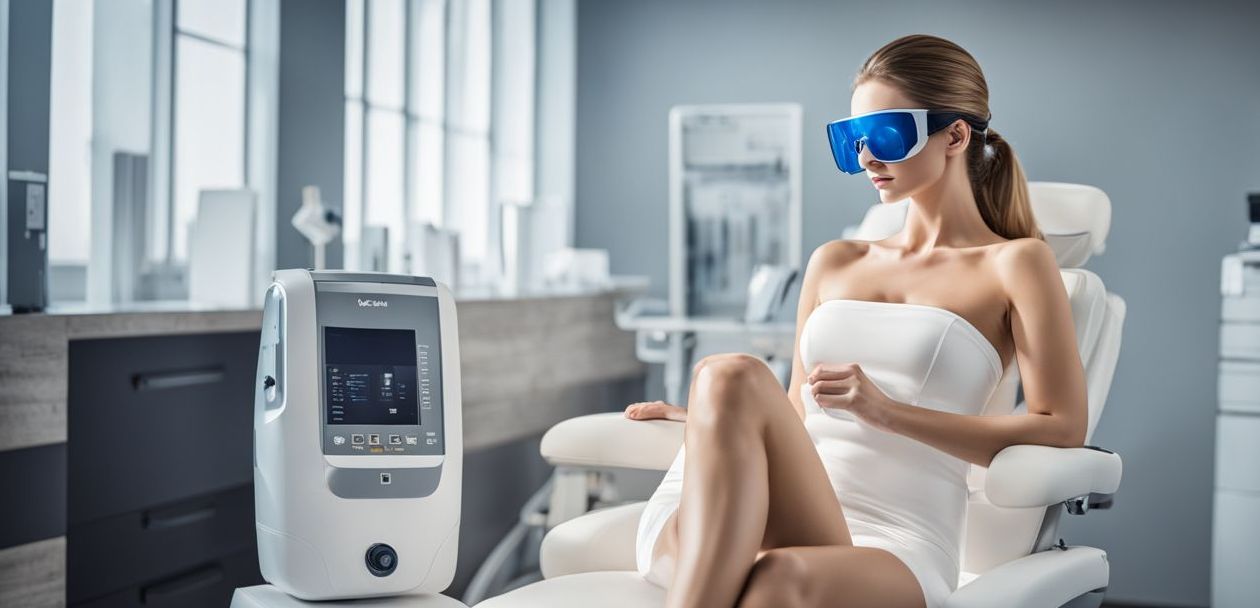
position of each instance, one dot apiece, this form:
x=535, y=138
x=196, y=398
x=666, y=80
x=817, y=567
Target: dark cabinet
x=159, y=470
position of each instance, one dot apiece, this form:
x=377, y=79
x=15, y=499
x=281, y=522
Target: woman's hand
x=846, y=387
x=647, y=410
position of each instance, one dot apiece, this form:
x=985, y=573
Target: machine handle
x=179, y=379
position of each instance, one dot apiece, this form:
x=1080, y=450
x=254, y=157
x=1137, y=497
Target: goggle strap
x=939, y=120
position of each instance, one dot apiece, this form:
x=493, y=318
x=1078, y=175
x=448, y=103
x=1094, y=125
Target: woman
x=852, y=490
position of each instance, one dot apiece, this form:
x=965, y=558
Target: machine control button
x=412, y=440
x=395, y=440
x=386, y=479
x=374, y=439
x=339, y=440
x=381, y=559
x=356, y=439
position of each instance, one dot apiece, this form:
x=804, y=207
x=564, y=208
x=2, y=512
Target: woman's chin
x=889, y=195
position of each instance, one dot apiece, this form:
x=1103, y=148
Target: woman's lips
x=881, y=182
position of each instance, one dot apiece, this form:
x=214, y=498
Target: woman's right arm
x=819, y=261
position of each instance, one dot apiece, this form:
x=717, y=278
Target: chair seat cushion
x=600, y=540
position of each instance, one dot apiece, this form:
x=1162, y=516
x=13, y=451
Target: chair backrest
x=1075, y=220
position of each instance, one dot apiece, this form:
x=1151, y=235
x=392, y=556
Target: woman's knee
x=777, y=579
x=727, y=370
x=724, y=384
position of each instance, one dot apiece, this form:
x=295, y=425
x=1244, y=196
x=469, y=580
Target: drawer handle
x=180, y=379
x=163, y=520
x=170, y=589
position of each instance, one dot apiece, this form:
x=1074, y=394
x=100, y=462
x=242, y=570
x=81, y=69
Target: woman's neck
x=944, y=215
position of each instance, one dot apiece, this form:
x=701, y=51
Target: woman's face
x=901, y=180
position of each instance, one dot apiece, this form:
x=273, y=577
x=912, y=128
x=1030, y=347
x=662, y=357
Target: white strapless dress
x=897, y=493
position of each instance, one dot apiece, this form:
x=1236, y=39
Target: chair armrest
x=600, y=540
x=612, y=440
x=1041, y=476
x=1046, y=579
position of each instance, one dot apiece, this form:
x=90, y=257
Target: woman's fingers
x=649, y=410
x=824, y=371
x=834, y=387
x=835, y=393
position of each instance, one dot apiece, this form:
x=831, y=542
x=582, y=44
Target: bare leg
x=834, y=576
x=752, y=481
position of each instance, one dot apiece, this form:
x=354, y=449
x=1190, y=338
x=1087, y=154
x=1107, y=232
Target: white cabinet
x=1236, y=510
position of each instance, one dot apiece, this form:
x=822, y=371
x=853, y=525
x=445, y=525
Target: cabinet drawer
x=1238, y=386
x=153, y=420
x=1237, y=452
x=1240, y=341
x=208, y=585
x=1235, y=308
x=115, y=552
x=1240, y=309
x=1235, y=549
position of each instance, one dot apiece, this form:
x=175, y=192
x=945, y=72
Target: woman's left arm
x=1049, y=364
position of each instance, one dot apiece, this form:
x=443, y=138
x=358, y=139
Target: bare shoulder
x=1023, y=255
x=1020, y=263
x=836, y=254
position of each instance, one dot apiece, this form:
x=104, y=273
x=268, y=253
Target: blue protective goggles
x=891, y=136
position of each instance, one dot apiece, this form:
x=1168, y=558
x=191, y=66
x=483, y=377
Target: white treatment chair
x=1010, y=557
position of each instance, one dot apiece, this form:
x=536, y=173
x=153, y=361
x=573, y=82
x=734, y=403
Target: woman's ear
x=958, y=137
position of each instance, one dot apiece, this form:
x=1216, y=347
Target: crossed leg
x=758, y=523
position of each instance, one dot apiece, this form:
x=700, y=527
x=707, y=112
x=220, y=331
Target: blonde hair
x=940, y=75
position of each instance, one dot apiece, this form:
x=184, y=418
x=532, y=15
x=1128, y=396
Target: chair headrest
x=1074, y=218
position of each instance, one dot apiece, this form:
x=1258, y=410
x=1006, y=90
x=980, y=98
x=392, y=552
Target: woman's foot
x=649, y=410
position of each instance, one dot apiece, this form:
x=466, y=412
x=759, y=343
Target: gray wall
x=311, y=139
x=1155, y=103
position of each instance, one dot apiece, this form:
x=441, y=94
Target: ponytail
x=999, y=186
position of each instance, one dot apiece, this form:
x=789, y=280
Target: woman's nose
x=866, y=159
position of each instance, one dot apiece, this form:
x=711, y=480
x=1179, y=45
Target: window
x=70, y=137
x=420, y=97
x=376, y=118
x=99, y=119
x=208, y=108
x=515, y=54
x=395, y=83
x=468, y=128
x=152, y=93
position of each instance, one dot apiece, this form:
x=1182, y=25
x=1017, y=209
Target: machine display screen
x=370, y=376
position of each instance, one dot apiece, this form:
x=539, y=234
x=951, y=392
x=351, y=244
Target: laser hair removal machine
x=358, y=451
